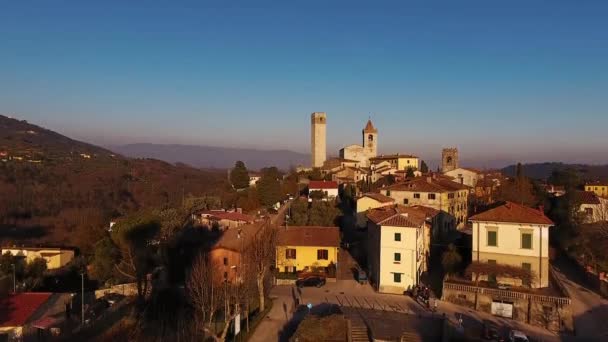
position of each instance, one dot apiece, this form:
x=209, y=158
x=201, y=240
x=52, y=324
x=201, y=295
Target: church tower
x=318, y=133
x=370, y=140
x=449, y=159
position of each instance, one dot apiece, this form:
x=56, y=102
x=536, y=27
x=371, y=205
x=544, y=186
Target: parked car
x=310, y=281
x=517, y=336
x=361, y=277
x=491, y=331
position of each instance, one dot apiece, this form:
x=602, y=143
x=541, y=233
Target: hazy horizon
x=513, y=81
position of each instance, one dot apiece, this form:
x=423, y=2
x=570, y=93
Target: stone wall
x=129, y=289
x=552, y=313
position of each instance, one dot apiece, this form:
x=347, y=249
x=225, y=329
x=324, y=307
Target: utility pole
x=14, y=279
x=82, y=299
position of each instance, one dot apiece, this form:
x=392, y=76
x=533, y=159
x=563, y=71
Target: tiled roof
x=378, y=197
x=309, y=236
x=428, y=184
x=587, y=197
x=16, y=309
x=226, y=215
x=392, y=156
x=513, y=213
x=237, y=238
x=322, y=185
x=369, y=128
x=398, y=216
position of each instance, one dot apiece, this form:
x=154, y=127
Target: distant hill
x=543, y=170
x=214, y=157
x=58, y=190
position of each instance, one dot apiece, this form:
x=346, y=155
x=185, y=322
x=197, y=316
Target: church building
x=363, y=153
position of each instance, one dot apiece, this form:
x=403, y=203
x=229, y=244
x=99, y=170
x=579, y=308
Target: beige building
x=399, y=162
x=466, y=176
x=515, y=235
x=369, y=148
x=398, y=240
x=370, y=201
x=592, y=207
x=434, y=192
x=54, y=257
x=222, y=219
x=600, y=189
x=318, y=138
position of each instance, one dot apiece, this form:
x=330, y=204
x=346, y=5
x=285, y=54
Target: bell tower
x=449, y=159
x=370, y=140
x=318, y=133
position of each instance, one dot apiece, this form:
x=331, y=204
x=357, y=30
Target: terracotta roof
x=17, y=309
x=398, y=216
x=428, y=211
x=428, y=184
x=378, y=197
x=237, y=238
x=322, y=185
x=513, y=213
x=369, y=128
x=313, y=236
x=478, y=171
x=227, y=215
x=587, y=197
x=392, y=156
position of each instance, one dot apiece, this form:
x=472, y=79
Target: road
x=589, y=309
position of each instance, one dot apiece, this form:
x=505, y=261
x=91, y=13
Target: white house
x=328, y=188
x=396, y=247
x=593, y=208
x=514, y=235
x=466, y=176
x=254, y=177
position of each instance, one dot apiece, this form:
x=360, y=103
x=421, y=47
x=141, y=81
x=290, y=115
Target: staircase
x=358, y=332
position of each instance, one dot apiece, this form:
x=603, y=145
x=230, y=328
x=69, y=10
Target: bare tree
x=260, y=254
x=205, y=291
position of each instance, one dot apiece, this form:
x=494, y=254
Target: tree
x=298, y=212
x=205, y=291
x=450, y=260
x=409, y=173
x=34, y=273
x=423, y=167
x=106, y=256
x=316, y=175
x=134, y=235
x=323, y=214
x=260, y=256
x=269, y=186
x=239, y=176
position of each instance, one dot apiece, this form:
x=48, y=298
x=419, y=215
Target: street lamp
x=82, y=300
x=14, y=279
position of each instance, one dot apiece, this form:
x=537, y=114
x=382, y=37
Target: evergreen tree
x=409, y=173
x=450, y=260
x=239, y=176
x=423, y=167
x=269, y=186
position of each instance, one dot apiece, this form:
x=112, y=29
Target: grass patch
x=328, y=328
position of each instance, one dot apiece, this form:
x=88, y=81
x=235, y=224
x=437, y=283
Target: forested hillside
x=61, y=191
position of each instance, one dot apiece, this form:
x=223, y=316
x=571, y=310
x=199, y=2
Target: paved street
x=590, y=310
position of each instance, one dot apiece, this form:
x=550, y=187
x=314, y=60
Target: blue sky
x=519, y=80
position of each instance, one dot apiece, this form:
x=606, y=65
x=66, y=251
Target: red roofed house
x=398, y=244
x=223, y=219
x=514, y=235
x=19, y=312
x=328, y=188
x=593, y=208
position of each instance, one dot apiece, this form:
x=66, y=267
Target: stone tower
x=370, y=140
x=318, y=133
x=449, y=159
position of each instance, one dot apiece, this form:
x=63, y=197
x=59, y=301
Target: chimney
x=429, y=179
x=405, y=214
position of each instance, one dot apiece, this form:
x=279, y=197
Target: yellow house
x=54, y=257
x=398, y=161
x=600, y=189
x=434, y=192
x=370, y=201
x=514, y=235
x=308, y=249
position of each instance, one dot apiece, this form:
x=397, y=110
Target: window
x=397, y=236
x=406, y=201
x=416, y=195
x=589, y=211
x=397, y=257
x=397, y=277
x=450, y=195
x=290, y=253
x=225, y=261
x=225, y=275
x=431, y=196
x=322, y=254
x=388, y=192
x=526, y=240
x=492, y=238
